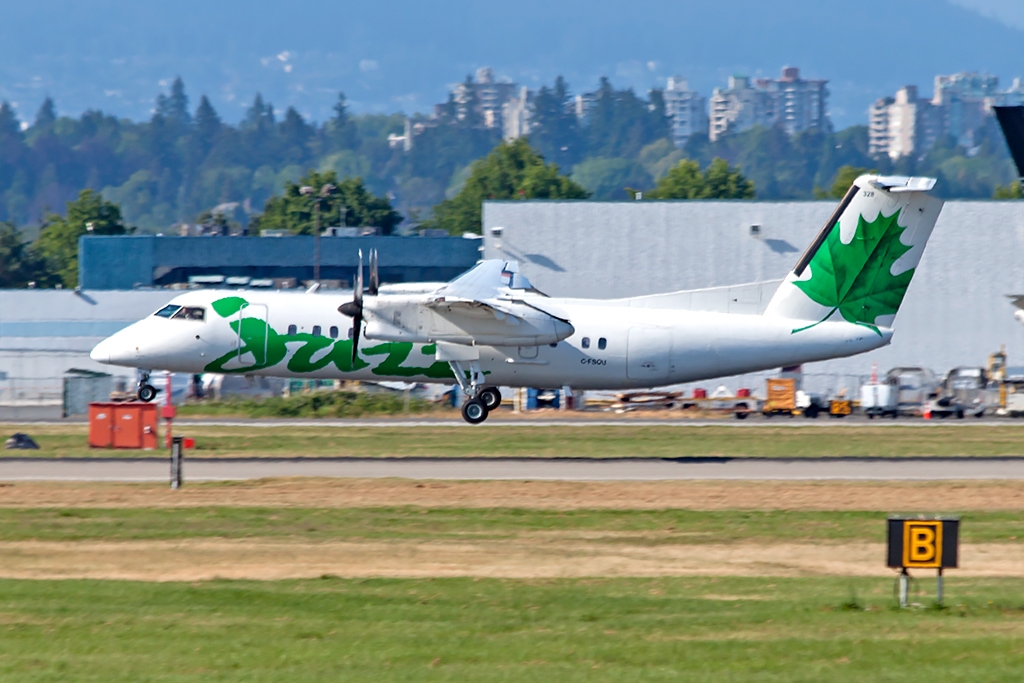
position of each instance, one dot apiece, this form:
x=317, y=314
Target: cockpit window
x=167, y=311
x=190, y=313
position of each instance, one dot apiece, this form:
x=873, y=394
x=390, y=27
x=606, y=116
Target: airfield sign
x=922, y=544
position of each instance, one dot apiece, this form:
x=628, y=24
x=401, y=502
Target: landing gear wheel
x=474, y=411
x=147, y=393
x=491, y=398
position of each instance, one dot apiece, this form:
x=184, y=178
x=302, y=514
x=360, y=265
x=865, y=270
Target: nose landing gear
x=146, y=392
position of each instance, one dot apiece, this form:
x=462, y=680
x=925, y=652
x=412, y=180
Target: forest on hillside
x=185, y=160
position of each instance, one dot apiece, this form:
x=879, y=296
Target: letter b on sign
x=922, y=544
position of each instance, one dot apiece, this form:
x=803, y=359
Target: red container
x=123, y=425
x=743, y=393
x=700, y=393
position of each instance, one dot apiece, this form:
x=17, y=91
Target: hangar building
x=955, y=313
x=129, y=261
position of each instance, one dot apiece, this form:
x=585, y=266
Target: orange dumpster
x=123, y=425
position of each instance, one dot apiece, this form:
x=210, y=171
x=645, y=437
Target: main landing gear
x=146, y=392
x=480, y=400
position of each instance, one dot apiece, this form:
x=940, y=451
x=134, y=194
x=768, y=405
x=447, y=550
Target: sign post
x=176, y=457
x=922, y=544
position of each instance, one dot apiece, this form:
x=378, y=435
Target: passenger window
x=292, y=330
x=190, y=313
x=167, y=311
x=585, y=343
x=334, y=332
x=602, y=343
x=350, y=333
x=554, y=346
x=316, y=330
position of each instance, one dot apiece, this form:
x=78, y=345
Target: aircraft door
x=648, y=350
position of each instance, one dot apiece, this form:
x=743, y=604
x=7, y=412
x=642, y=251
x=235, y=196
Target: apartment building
x=792, y=102
x=686, y=109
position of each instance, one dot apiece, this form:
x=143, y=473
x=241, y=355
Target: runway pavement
x=568, y=469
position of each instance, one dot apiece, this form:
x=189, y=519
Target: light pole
x=326, y=191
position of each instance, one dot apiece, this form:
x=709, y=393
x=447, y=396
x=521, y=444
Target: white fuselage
x=614, y=345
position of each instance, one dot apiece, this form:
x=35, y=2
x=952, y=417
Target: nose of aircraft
x=115, y=350
x=101, y=352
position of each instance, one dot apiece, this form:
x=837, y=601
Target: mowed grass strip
x=596, y=441
x=664, y=629
x=634, y=527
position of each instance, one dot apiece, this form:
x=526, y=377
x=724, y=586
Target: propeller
x=374, y=274
x=354, y=308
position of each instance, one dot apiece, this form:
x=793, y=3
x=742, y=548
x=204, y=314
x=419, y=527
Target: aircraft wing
x=1017, y=300
x=486, y=280
x=486, y=305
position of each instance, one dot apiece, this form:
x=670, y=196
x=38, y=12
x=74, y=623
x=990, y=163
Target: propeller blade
x=357, y=325
x=374, y=274
x=357, y=292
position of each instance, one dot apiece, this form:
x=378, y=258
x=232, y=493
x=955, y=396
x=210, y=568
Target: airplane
x=490, y=327
x=1011, y=121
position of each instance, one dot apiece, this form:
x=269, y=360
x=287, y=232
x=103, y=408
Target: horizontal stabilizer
x=1011, y=120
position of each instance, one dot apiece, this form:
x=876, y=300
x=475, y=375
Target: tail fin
x=860, y=265
x=1011, y=120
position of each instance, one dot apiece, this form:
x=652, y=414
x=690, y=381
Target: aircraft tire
x=147, y=393
x=474, y=411
x=491, y=397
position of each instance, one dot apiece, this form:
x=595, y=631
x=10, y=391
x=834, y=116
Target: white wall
x=955, y=312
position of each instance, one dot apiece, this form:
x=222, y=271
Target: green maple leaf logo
x=856, y=279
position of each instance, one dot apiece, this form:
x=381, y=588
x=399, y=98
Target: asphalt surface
x=567, y=469
x=569, y=420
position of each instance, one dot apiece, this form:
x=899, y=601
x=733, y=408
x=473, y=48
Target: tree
x=294, y=211
x=90, y=214
x=844, y=179
x=174, y=107
x=554, y=128
x=47, y=114
x=341, y=130
x=18, y=265
x=1011, y=191
x=609, y=178
x=718, y=181
x=295, y=136
x=511, y=171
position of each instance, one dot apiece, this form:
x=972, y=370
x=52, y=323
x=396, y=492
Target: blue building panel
x=129, y=261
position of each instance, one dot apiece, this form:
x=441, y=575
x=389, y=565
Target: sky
x=404, y=55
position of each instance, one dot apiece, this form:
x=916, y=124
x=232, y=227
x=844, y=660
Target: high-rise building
x=878, y=126
x=798, y=104
x=739, y=107
x=583, y=106
x=489, y=95
x=1012, y=97
x=686, y=109
x=792, y=102
x=909, y=125
x=516, y=115
x=962, y=102
x=914, y=124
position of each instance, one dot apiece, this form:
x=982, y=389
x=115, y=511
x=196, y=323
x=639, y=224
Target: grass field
x=597, y=441
x=646, y=527
x=681, y=629
x=599, y=594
